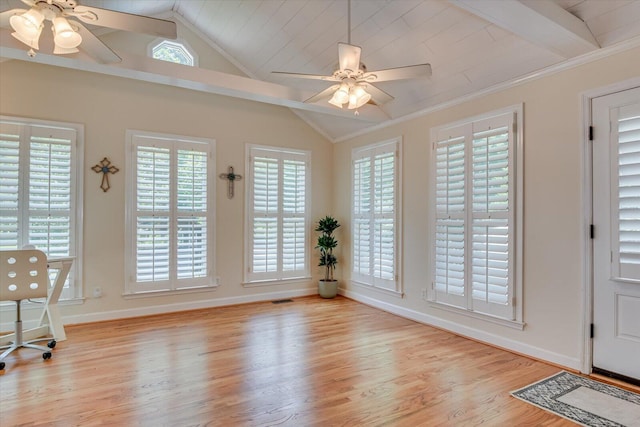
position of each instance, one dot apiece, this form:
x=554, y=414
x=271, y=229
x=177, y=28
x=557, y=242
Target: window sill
x=148, y=294
x=396, y=294
x=514, y=324
x=271, y=282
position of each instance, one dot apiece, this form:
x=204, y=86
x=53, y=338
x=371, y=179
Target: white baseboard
x=469, y=332
x=191, y=305
x=168, y=308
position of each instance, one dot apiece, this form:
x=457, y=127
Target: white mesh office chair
x=23, y=275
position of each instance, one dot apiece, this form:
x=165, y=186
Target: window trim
x=517, y=171
x=398, y=280
x=131, y=288
x=248, y=280
x=77, y=167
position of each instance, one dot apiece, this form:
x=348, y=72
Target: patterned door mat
x=583, y=400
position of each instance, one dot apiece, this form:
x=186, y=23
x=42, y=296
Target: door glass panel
x=627, y=246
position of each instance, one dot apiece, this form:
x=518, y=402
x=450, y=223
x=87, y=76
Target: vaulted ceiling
x=473, y=46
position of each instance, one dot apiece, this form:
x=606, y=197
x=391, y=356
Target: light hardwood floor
x=310, y=362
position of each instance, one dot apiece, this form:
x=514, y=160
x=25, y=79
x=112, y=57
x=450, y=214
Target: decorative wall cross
x=105, y=168
x=231, y=177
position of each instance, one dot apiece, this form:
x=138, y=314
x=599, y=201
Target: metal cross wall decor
x=105, y=168
x=231, y=177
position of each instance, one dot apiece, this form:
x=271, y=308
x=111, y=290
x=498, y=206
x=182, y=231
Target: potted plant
x=327, y=287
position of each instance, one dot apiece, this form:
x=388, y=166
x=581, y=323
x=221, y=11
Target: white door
x=616, y=218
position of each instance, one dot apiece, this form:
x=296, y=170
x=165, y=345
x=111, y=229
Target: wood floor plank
x=310, y=362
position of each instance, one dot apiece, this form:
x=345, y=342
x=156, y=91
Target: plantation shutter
x=362, y=210
x=37, y=184
x=265, y=217
x=449, y=271
x=192, y=214
x=491, y=210
x=171, y=247
x=384, y=220
x=9, y=186
x=277, y=217
x=374, y=239
x=293, y=215
x=50, y=177
x=474, y=209
x=626, y=212
x=153, y=197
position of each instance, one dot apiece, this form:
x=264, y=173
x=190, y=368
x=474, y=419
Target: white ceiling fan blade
x=6, y=15
x=94, y=47
x=306, y=76
x=325, y=94
x=125, y=21
x=400, y=73
x=378, y=96
x=349, y=56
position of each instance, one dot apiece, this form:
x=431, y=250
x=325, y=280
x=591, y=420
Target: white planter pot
x=328, y=289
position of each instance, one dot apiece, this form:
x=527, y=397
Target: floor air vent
x=281, y=301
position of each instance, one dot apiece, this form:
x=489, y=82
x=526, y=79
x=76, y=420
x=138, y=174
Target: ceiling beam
x=151, y=70
x=542, y=22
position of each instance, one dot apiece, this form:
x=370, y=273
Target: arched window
x=173, y=51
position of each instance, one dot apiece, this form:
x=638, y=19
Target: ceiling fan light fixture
x=29, y=24
x=340, y=96
x=358, y=97
x=28, y=27
x=64, y=36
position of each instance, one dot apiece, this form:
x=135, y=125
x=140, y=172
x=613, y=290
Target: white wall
x=553, y=213
x=108, y=106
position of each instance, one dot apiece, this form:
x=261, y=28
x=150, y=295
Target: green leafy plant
x=327, y=243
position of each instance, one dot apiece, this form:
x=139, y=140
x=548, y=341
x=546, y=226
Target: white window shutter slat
x=490, y=270
x=152, y=248
x=293, y=244
x=450, y=176
x=153, y=183
x=361, y=247
x=449, y=272
x=191, y=254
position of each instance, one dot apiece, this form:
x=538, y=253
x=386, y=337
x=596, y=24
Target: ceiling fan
x=69, y=34
x=354, y=87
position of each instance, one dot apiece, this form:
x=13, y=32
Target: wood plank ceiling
x=472, y=45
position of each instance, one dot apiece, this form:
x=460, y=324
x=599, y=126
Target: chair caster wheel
x=46, y=355
x=52, y=344
x=1, y=366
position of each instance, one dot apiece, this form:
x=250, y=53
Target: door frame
x=586, y=150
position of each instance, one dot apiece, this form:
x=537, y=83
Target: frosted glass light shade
x=340, y=96
x=64, y=36
x=28, y=24
x=358, y=97
x=28, y=27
